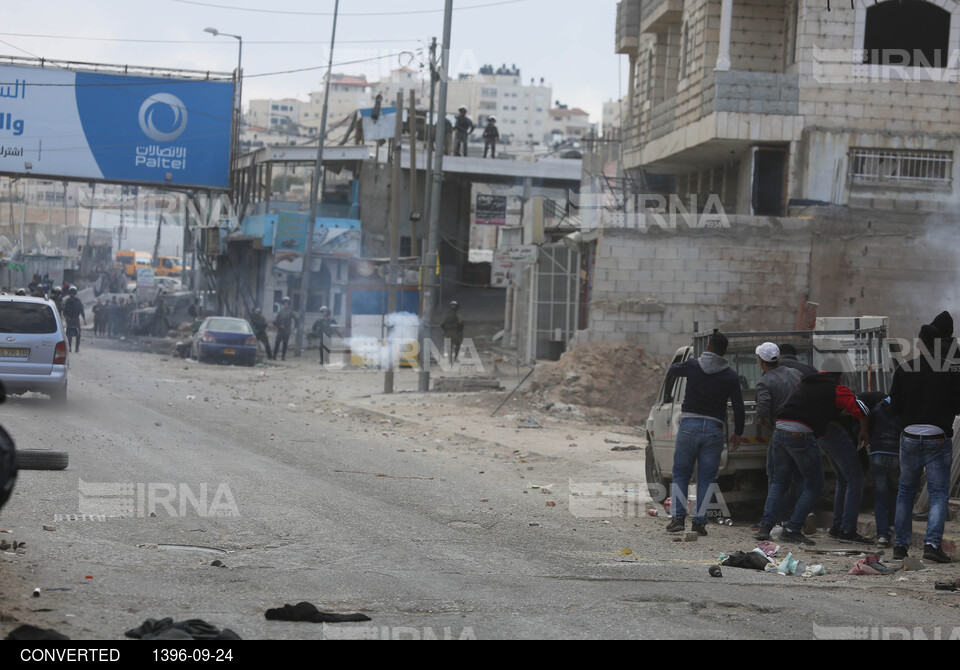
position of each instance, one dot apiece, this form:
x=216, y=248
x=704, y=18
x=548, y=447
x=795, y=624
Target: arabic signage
x=491, y=210
x=509, y=263
x=91, y=125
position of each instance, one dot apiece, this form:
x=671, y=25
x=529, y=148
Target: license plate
x=230, y=352
x=9, y=352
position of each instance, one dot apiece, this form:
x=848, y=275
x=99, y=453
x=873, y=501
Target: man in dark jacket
x=711, y=382
x=788, y=359
x=884, y=428
x=284, y=322
x=819, y=400
x=925, y=394
x=73, y=312
x=259, y=325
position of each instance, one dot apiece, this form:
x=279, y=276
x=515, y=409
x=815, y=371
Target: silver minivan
x=33, y=349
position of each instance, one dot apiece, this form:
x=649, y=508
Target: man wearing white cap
x=774, y=389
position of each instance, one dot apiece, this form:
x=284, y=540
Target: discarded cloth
x=750, y=560
x=309, y=613
x=27, y=633
x=870, y=565
x=192, y=629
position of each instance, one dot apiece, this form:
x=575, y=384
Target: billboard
x=84, y=125
x=491, y=210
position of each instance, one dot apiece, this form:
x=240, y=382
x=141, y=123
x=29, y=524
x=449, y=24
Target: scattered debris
x=377, y=474
x=27, y=633
x=912, y=564
x=166, y=629
x=715, y=571
x=48, y=527
x=308, y=612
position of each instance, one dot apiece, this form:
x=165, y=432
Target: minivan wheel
x=40, y=459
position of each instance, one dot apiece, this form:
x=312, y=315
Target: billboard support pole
x=315, y=196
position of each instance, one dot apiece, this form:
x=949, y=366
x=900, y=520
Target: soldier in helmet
x=462, y=128
x=284, y=322
x=325, y=327
x=259, y=324
x=491, y=135
x=56, y=295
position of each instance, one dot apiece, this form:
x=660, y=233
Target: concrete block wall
x=757, y=35
x=748, y=273
x=754, y=275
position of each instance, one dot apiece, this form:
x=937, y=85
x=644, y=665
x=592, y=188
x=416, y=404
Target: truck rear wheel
x=656, y=485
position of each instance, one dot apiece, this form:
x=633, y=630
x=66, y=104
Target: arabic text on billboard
x=94, y=125
x=491, y=210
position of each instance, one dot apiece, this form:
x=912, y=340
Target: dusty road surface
x=419, y=511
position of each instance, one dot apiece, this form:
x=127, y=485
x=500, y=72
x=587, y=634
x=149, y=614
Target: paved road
x=444, y=546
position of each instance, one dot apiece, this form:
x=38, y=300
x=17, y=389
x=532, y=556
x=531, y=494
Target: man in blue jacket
x=711, y=382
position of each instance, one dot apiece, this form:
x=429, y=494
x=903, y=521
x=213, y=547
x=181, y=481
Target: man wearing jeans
x=925, y=394
x=819, y=400
x=711, y=382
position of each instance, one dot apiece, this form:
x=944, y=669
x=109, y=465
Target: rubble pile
x=598, y=380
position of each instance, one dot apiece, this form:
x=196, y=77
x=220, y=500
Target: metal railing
x=909, y=168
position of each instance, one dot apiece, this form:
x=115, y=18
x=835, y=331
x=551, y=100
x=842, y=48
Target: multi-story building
x=778, y=156
x=521, y=109
x=565, y=124
x=783, y=104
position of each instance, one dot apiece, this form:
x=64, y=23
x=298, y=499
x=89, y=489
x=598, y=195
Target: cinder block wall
x=651, y=286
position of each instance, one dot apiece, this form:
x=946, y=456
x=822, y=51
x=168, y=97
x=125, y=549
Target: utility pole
x=430, y=276
x=431, y=136
x=394, y=230
x=315, y=195
x=414, y=202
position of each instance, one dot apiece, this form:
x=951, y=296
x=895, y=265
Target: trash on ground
x=192, y=629
x=308, y=612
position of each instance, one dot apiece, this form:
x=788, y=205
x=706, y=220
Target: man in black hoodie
x=819, y=400
x=925, y=394
x=711, y=382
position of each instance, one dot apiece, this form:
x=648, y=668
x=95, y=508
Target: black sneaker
x=853, y=537
x=763, y=533
x=676, y=525
x=834, y=532
x=899, y=552
x=795, y=536
x=883, y=542
x=810, y=525
x=935, y=554
x=699, y=529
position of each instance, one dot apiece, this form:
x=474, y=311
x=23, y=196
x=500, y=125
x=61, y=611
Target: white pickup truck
x=862, y=345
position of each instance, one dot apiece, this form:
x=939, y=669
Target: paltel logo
x=178, y=110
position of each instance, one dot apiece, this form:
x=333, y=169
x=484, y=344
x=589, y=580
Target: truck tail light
x=60, y=353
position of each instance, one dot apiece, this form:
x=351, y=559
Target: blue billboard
x=92, y=125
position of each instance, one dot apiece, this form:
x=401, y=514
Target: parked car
x=33, y=348
x=225, y=338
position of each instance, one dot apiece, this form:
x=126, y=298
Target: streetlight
x=236, y=140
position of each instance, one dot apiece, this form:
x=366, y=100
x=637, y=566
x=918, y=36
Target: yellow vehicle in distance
x=167, y=266
x=132, y=260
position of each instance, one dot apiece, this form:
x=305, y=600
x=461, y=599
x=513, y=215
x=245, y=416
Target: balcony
x=628, y=26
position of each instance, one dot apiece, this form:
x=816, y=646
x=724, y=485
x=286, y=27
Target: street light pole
x=239, y=101
x=315, y=196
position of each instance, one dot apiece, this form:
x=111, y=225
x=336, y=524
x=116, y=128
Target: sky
x=570, y=43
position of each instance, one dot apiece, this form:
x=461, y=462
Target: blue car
x=227, y=339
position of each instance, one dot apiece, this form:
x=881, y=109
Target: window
x=914, y=33
x=901, y=167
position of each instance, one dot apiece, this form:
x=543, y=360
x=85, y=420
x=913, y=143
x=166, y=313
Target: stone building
x=809, y=154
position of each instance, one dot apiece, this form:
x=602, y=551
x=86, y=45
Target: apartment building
x=522, y=109
x=780, y=105
x=804, y=154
